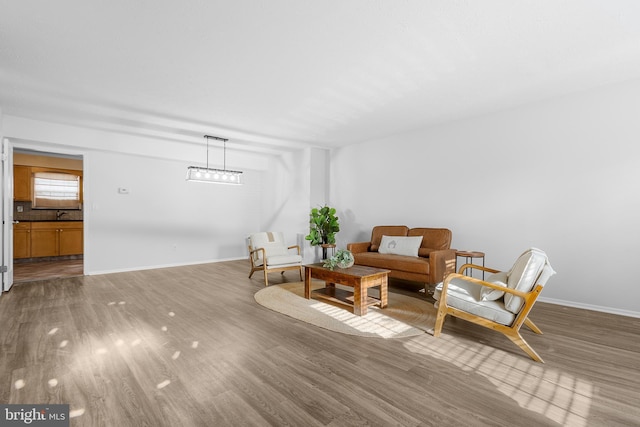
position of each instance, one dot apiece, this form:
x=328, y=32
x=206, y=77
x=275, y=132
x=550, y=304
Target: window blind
x=56, y=190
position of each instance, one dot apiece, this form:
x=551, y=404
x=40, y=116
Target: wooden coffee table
x=358, y=277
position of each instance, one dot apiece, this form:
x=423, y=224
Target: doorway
x=48, y=220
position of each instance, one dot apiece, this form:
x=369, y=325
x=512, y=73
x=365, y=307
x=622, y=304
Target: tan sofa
x=434, y=262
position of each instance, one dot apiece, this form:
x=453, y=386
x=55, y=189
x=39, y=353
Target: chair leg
x=442, y=313
x=301, y=273
x=520, y=342
x=266, y=279
x=251, y=264
x=532, y=326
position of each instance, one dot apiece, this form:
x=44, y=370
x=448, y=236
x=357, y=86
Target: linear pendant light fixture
x=217, y=176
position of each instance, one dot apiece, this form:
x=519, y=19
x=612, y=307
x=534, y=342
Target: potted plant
x=323, y=226
x=342, y=259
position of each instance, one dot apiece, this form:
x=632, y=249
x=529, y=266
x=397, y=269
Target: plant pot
x=346, y=264
x=346, y=259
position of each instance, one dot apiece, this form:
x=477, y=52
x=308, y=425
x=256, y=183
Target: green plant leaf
x=323, y=225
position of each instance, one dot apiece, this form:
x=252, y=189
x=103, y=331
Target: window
x=56, y=190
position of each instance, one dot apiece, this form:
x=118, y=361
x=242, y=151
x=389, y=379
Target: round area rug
x=404, y=316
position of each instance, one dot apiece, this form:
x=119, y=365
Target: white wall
x=286, y=206
x=562, y=175
x=301, y=182
x=164, y=220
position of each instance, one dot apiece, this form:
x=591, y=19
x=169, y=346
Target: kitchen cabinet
x=56, y=238
x=70, y=239
x=22, y=240
x=44, y=239
x=22, y=183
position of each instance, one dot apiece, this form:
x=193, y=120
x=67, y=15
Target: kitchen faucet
x=59, y=214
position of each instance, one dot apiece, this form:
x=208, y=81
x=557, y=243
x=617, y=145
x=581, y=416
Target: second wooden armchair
x=268, y=252
x=502, y=302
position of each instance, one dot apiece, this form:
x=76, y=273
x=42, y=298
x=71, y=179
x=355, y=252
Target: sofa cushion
x=393, y=262
x=490, y=294
x=525, y=273
x=432, y=238
x=386, y=230
x=425, y=252
x=465, y=296
x=400, y=245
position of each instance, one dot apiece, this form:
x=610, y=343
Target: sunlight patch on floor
x=373, y=322
x=75, y=413
x=95, y=350
x=163, y=384
x=561, y=397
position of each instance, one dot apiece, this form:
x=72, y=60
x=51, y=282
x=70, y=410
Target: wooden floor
x=46, y=269
x=189, y=346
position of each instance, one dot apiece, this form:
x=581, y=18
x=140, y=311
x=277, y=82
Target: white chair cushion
x=490, y=294
x=525, y=273
x=281, y=260
x=465, y=296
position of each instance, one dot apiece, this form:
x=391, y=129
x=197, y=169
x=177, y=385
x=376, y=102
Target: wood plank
x=229, y=361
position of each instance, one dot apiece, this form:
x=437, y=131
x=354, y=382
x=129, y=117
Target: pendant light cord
x=224, y=153
x=207, y=138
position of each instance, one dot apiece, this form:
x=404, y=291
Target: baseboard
x=601, y=308
x=153, y=267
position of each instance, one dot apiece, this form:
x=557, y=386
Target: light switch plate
x=122, y=190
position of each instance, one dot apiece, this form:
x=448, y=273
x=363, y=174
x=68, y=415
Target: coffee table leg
x=384, y=296
x=359, y=300
x=307, y=283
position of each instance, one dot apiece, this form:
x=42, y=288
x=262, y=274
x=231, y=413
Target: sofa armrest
x=358, y=247
x=441, y=264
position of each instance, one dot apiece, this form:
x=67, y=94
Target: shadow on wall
x=350, y=229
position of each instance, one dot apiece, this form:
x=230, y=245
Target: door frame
x=44, y=149
x=7, y=215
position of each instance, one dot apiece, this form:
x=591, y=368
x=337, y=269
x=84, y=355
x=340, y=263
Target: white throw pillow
x=400, y=245
x=490, y=294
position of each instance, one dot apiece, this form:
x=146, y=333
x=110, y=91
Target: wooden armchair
x=501, y=302
x=268, y=253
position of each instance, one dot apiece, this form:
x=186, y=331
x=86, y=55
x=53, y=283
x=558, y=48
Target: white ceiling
x=288, y=73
